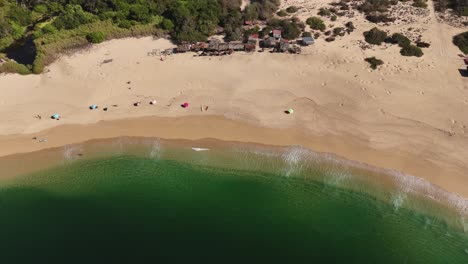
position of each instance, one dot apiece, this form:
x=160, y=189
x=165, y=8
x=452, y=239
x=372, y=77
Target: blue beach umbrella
x=92, y=107
x=55, y=116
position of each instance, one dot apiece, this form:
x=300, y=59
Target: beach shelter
x=55, y=116
x=92, y=107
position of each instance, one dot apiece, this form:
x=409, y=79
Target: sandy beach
x=411, y=115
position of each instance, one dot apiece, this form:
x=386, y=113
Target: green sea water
x=184, y=207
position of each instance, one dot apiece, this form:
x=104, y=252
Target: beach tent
x=92, y=107
x=290, y=111
x=55, y=116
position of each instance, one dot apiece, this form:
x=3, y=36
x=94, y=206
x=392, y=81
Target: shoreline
x=451, y=179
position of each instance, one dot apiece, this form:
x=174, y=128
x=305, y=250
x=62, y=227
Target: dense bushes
x=13, y=67
x=420, y=3
x=316, y=23
x=401, y=40
x=375, y=36
x=291, y=9
x=289, y=27
x=461, y=41
x=411, y=50
x=282, y=13
x=374, y=62
x=96, y=37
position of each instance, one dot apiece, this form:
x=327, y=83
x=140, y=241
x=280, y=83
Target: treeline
x=56, y=25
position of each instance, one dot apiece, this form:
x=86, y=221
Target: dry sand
x=410, y=115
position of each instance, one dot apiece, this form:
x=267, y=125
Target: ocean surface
x=147, y=200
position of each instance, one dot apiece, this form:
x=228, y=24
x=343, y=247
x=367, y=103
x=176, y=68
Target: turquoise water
x=133, y=208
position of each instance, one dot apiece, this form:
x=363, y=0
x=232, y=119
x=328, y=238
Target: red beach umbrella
x=185, y=105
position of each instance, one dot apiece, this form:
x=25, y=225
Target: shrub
x=282, y=13
x=316, y=23
x=48, y=29
x=401, y=40
x=324, y=12
x=423, y=44
x=333, y=18
x=316, y=35
x=375, y=36
x=330, y=39
x=411, y=50
x=461, y=41
x=420, y=3
x=14, y=67
x=378, y=18
x=374, y=62
x=306, y=34
x=339, y=31
x=291, y=9
x=96, y=37
x=167, y=24
x=350, y=25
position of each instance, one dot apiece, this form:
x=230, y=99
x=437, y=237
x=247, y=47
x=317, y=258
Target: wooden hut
x=183, y=47
x=282, y=46
x=269, y=42
x=236, y=45
x=213, y=45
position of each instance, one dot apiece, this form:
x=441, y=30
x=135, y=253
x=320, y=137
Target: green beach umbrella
x=290, y=111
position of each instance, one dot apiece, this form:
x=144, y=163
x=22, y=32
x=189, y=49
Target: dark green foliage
x=316, y=23
x=13, y=67
x=96, y=37
x=291, y=9
x=459, y=7
x=374, y=62
x=350, y=25
x=461, y=41
x=167, y=24
x=333, y=18
x=307, y=34
x=72, y=17
x=401, y=40
x=420, y=3
x=375, y=36
x=282, y=13
x=423, y=44
x=19, y=15
x=324, y=12
x=411, y=50
x=289, y=27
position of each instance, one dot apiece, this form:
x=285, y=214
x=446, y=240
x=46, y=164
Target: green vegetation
x=420, y=3
x=375, y=36
x=291, y=9
x=461, y=41
x=401, y=40
x=459, y=7
x=282, y=13
x=13, y=67
x=411, y=50
x=376, y=10
x=374, y=62
x=289, y=27
x=316, y=23
x=96, y=37
x=54, y=26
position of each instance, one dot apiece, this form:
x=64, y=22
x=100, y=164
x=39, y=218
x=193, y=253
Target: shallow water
x=146, y=202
